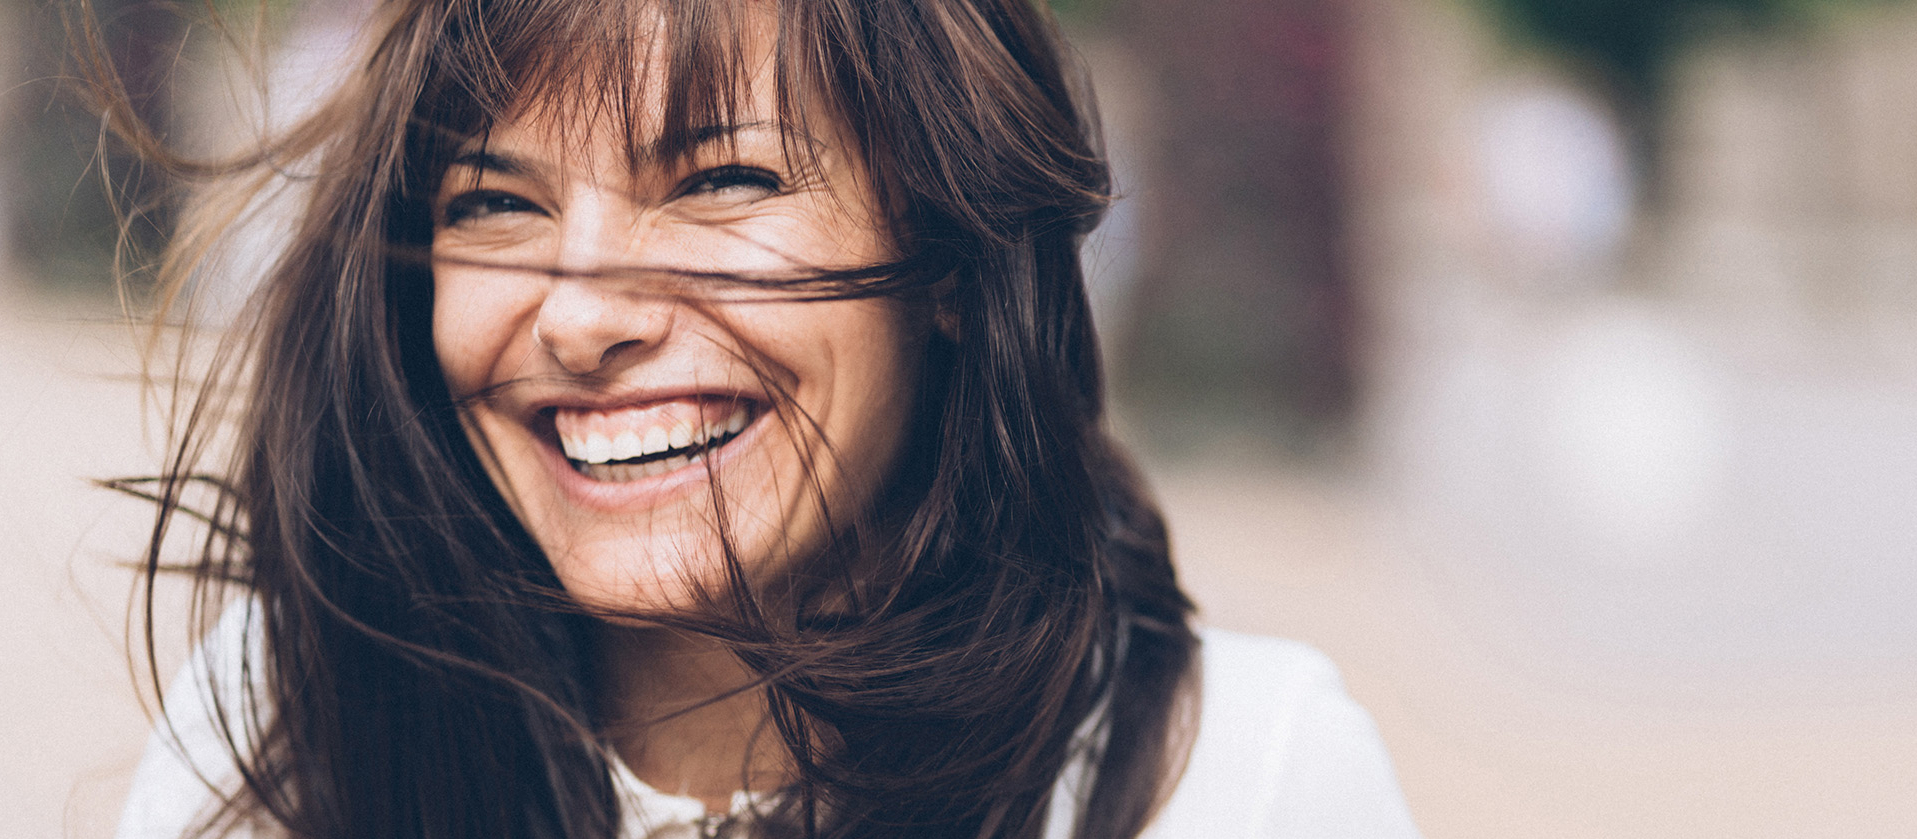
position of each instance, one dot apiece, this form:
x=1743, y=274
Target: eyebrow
x=701, y=135
x=708, y=133
x=491, y=161
x=486, y=160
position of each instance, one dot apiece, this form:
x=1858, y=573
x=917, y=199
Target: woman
x=682, y=418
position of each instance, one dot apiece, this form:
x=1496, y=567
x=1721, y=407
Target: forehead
x=660, y=78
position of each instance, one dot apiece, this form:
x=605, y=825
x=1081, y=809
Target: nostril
x=613, y=351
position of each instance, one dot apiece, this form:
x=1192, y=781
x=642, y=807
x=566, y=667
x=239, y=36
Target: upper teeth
x=596, y=447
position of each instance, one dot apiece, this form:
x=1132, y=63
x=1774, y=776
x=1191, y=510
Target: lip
x=644, y=493
x=588, y=399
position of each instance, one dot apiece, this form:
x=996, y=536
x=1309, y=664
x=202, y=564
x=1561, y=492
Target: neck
x=662, y=711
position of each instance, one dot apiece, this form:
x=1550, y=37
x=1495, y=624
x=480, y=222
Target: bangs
x=665, y=75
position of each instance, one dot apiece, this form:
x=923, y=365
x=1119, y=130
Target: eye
x=738, y=183
x=485, y=202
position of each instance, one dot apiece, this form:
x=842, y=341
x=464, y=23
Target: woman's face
x=603, y=405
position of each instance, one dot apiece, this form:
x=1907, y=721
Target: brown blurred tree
x=1243, y=309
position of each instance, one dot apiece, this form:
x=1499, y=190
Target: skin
x=531, y=325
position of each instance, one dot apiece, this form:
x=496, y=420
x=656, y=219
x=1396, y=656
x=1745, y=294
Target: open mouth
x=629, y=444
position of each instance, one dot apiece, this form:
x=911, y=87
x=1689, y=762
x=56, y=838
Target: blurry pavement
x=73, y=727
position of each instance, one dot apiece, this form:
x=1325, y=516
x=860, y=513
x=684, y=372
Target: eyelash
x=721, y=178
x=486, y=202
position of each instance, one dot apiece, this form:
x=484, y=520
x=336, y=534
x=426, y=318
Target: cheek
x=475, y=329
x=877, y=374
x=852, y=366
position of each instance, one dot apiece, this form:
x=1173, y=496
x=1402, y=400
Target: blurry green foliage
x=1079, y=11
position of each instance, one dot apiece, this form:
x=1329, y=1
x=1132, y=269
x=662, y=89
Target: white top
x=1281, y=753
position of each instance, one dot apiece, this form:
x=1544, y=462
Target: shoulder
x=188, y=764
x=1259, y=675
x=1281, y=751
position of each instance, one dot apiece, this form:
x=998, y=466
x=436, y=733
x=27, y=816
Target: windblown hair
x=424, y=674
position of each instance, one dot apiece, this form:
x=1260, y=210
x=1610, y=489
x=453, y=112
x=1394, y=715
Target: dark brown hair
x=424, y=676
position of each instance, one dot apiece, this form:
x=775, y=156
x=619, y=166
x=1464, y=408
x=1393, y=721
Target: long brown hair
x=424, y=675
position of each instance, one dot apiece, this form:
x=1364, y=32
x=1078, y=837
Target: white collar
x=647, y=813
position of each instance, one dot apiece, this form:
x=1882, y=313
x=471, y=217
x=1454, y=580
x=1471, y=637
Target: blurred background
x=1552, y=364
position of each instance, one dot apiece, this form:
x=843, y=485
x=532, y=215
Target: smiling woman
x=682, y=417
x=604, y=402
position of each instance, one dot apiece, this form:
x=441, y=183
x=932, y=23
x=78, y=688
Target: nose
x=592, y=314
x=587, y=323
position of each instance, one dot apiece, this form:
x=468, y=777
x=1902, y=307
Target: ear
x=945, y=315
x=947, y=320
